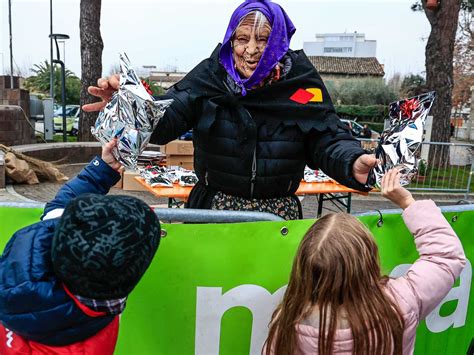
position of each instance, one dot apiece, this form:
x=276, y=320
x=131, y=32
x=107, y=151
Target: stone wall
x=15, y=127
x=67, y=153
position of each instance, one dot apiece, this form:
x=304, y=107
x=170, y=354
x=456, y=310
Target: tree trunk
x=439, y=71
x=91, y=62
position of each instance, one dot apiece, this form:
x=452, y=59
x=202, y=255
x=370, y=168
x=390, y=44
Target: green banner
x=212, y=288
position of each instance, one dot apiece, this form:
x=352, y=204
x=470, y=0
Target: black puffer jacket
x=256, y=146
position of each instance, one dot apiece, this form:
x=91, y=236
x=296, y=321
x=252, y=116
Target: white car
x=72, y=114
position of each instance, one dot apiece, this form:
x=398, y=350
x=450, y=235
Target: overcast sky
x=183, y=32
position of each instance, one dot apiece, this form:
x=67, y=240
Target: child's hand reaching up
x=108, y=157
x=392, y=190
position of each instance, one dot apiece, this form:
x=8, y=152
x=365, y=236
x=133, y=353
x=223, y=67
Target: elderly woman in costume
x=259, y=113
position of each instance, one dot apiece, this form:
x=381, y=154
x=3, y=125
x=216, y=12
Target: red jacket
x=102, y=343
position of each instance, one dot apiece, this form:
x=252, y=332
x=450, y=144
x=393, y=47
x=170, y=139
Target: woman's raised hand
x=104, y=89
x=362, y=166
x=392, y=190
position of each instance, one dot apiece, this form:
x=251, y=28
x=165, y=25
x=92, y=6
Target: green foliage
x=40, y=83
x=412, y=85
x=155, y=87
x=370, y=91
x=371, y=113
x=422, y=167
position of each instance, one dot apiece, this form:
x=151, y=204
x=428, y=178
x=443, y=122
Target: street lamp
x=57, y=36
x=63, y=42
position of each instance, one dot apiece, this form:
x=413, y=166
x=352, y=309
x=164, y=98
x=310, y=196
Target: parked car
x=357, y=128
x=72, y=113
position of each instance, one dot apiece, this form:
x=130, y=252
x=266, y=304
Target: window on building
x=337, y=49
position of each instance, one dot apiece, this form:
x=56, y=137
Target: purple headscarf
x=278, y=42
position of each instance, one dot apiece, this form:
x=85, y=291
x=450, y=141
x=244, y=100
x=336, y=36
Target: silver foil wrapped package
x=131, y=115
x=399, y=143
x=311, y=175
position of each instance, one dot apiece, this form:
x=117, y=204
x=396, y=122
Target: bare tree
x=463, y=60
x=91, y=61
x=443, y=19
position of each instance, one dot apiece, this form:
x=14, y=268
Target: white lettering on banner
x=211, y=305
x=434, y=321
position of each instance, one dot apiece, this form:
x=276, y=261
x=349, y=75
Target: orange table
x=327, y=191
x=177, y=195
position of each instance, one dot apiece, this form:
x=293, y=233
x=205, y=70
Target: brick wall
x=14, y=126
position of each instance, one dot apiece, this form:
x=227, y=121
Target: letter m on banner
x=211, y=305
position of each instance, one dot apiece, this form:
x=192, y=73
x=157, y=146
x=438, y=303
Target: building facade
x=341, y=45
x=166, y=78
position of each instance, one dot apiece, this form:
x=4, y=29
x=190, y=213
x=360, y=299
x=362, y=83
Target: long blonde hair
x=337, y=271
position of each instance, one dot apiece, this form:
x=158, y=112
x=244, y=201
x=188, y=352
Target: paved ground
x=44, y=192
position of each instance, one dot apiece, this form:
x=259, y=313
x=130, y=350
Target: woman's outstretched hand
x=108, y=157
x=104, y=90
x=392, y=190
x=362, y=166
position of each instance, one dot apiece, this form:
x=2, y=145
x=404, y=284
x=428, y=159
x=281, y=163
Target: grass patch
x=59, y=138
x=453, y=177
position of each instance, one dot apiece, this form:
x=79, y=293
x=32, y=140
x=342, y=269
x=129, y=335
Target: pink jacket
x=421, y=289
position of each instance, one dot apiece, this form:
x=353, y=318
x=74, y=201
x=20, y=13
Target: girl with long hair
x=337, y=300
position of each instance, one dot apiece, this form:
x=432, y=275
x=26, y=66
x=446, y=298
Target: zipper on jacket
x=205, y=178
x=254, y=172
x=289, y=186
x=254, y=162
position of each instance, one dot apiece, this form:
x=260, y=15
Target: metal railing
x=454, y=174
x=188, y=215
x=445, y=209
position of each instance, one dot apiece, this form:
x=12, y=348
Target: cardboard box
x=178, y=147
x=129, y=182
x=185, y=161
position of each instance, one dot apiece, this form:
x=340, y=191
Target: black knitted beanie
x=103, y=245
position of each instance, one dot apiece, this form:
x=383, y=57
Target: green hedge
x=372, y=113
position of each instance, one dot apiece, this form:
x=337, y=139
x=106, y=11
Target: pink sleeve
x=440, y=263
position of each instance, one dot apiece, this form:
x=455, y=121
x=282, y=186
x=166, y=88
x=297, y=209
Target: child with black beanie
x=65, y=279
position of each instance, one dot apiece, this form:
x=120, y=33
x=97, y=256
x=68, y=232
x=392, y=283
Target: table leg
x=349, y=200
x=320, y=205
x=172, y=202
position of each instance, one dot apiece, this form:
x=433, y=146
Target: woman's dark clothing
x=256, y=146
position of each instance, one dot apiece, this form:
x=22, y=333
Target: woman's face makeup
x=248, y=45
